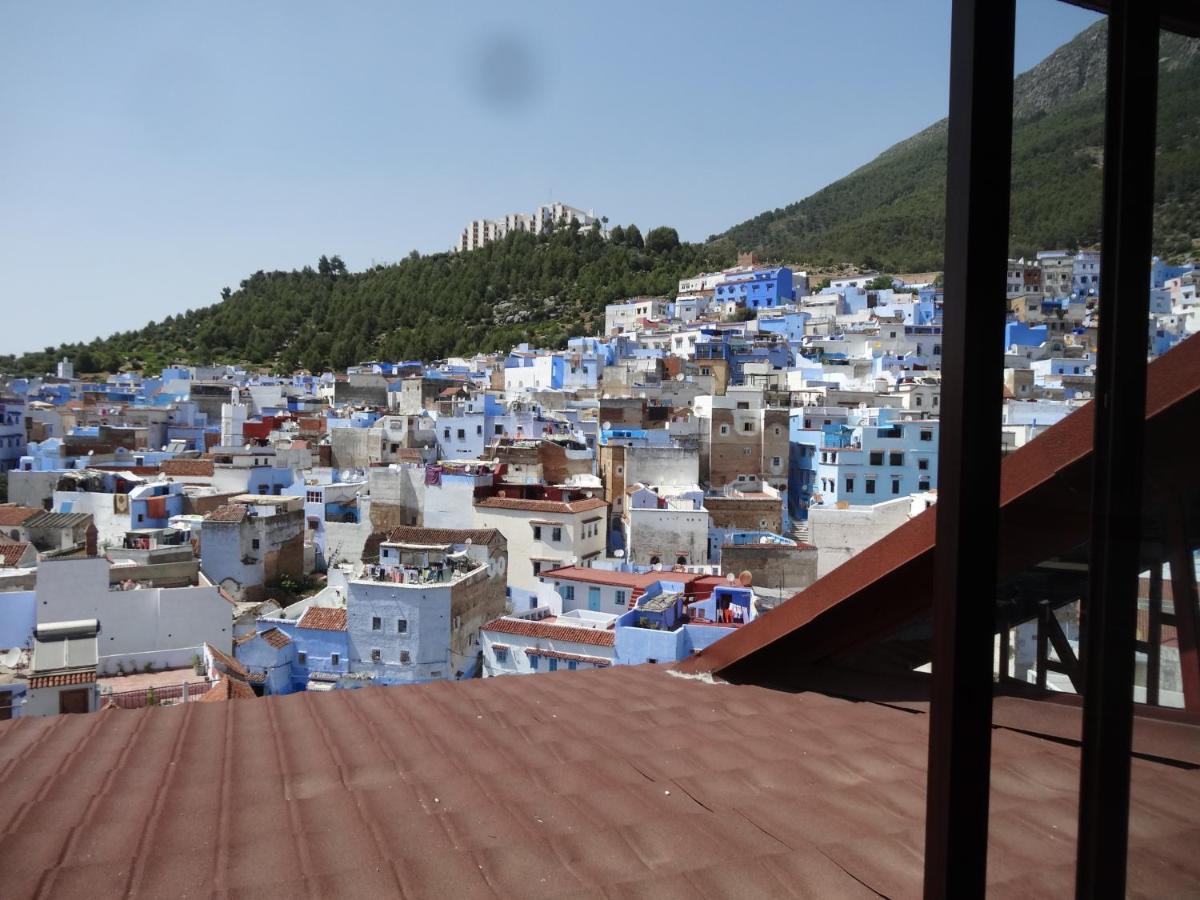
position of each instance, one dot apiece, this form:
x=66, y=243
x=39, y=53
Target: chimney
x=90, y=539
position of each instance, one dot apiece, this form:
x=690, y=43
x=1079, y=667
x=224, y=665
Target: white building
x=415, y=616
x=162, y=627
x=544, y=219
x=544, y=534
x=536, y=641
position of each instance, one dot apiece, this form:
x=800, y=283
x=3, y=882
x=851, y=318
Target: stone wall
x=773, y=566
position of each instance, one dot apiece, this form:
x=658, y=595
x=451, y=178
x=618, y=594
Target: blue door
x=594, y=599
x=553, y=664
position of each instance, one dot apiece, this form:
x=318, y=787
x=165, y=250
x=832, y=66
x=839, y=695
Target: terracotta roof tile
x=541, y=506
x=228, y=688
x=598, y=661
x=552, y=630
x=11, y=514
x=226, y=663
x=188, y=467
x=323, y=618
x=634, y=580
x=12, y=551
x=229, y=513
x=275, y=638
x=62, y=679
x=409, y=534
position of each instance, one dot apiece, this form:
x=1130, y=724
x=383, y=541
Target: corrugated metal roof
x=617, y=783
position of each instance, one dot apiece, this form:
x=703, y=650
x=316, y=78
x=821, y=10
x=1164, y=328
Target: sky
x=153, y=153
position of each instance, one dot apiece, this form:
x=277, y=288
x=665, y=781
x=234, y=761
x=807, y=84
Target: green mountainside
x=890, y=213
x=523, y=288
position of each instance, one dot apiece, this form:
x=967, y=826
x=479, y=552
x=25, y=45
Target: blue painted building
x=757, y=289
x=661, y=628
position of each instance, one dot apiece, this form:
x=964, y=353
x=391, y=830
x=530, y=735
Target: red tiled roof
x=11, y=514
x=12, y=551
x=229, y=513
x=225, y=662
x=598, y=661
x=62, y=679
x=275, y=638
x=541, y=506
x=323, y=618
x=429, y=791
x=634, y=580
x=410, y=534
x=188, y=467
x=551, y=630
x=229, y=689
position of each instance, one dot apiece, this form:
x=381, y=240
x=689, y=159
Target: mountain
x=523, y=288
x=890, y=213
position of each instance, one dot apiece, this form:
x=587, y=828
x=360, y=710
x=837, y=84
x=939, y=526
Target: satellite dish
x=619, y=554
x=607, y=426
x=731, y=578
x=745, y=579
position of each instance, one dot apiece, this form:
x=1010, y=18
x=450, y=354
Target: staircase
x=800, y=531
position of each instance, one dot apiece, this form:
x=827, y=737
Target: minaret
x=233, y=417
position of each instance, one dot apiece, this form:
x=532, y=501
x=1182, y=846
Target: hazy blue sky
x=152, y=153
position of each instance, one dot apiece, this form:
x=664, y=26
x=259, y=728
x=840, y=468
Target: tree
x=616, y=237
x=662, y=240
x=226, y=293
x=633, y=237
x=880, y=283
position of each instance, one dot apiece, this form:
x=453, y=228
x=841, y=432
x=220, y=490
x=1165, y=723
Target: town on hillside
x=206, y=533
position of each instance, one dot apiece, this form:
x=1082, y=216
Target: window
x=747, y=426
x=141, y=517
x=405, y=658
x=870, y=485
x=743, y=404
x=556, y=535
x=315, y=496
x=376, y=655
x=917, y=400
x=895, y=459
x=651, y=660
x=923, y=465
x=775, y=461
x=927, y=435
x=376, y=623
x=501, y=654
x=402, y=626
x=572, y=665
x=553, y=664
x=622, y=598
x=537, y=532
x=923, y=484
x=537, y=568
x=876, y=457
x=446, y=433
x=254, y=543
x=334, y=659
x=462, y=434
x=724, y=429
x=849, y=485
x=895, y=485
x=568, y=592
x=479, y=429
x=533, y=663
x=301, y=658
x=499, y=430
